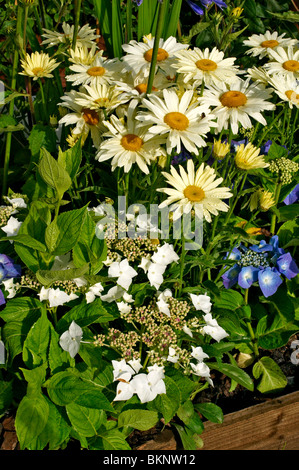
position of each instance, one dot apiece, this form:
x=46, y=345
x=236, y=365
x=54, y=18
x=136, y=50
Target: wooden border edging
x=273, y=425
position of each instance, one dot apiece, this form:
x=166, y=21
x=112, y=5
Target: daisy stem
x=128, y=33
x=235, y=201
x=76, y=25
x=11, y=104
x=293, y=127
x=273, y=218
x=160, y=24
x=43, y=99
x=268, y=128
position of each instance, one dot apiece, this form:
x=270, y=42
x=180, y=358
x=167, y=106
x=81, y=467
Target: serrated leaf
x=271, y=376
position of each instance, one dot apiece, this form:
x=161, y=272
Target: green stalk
x=11, y=104
x=43, y=100
x=160, y=24
x=129, y=22
x=273, y=218
x=76, y=25
x=250, y=329
x=268, y=128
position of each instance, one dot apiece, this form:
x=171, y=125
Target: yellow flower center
x=206, y=65
x=90, y=116
x=131, y=142
x=162, y=55
x=194, y=193
x=292, y=95
x=291, y=65
x=96, y=71
x=233, y=99
x=177, y=121
x=38, y=71
x=271, y=43
x=142, y=87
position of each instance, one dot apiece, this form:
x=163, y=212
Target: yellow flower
x=248, y=158
x=237, y=12
x=262, y=200
x=220, y=149
x=38, y=65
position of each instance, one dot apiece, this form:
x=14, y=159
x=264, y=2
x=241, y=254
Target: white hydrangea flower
x=213, y=329
x=201, y=302
x=70, y=339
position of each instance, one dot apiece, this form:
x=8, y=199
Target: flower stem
x=76, y=25
x=273, y=218
x=250, y=329
x=160, y=23
x=11, y=104
x=43, y=99
x=182, y=265
x=129, y=21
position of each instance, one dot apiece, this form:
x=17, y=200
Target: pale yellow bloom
x=38, y=65
x=248, y=158
x=220, y=149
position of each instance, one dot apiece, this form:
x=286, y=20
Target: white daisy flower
x=179, y=120
x=205, y=65
x=127, y=144
x=138, y=57
x=85, y=36
x=38, y=65
x=135, y=87
x=85, y=119
x=100, y=96
x=258, y=74
x=286, y=88
x=262, y=44
x=101, y=70
x=286, y=62
x=196, y=191
x=84, y=55
x=237, y=103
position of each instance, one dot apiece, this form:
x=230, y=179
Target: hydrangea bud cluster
x=5, y=213
x=252, y=258
x=131, y=248
x=123, y=342
x=284, y=168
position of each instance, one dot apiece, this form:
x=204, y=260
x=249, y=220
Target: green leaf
x=66, y=387
x=54, y=174
x=111, y=439
x=235, y=373
x=21, y=308
x=291, y=16
x=56, y=431
x=35, y=348
x=167, y=404
x=71, y=159
x=85, y=421
x=275, y=332
x=86, y=314
x=210, y=411
x=272, y=379
x=31, y=418
x=6, y=395
x=47, y=278
x=41, y=136
x=70, y=225
x=138, y=419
